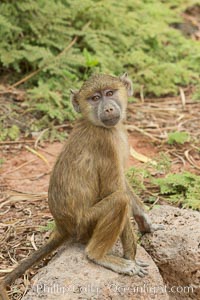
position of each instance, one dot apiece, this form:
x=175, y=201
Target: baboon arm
x=54, y=242
x=138, y=211
x=129, y=240
x=137, y=204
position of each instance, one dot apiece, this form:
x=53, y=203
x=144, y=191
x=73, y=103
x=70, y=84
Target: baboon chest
x=114, y=156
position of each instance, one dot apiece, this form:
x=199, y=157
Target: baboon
x=89, y=196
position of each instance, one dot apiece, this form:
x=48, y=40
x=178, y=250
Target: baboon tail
x=53, y=243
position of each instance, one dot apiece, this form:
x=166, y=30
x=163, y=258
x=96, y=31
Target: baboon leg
x=110, y=216
x=111, y=222
x=122, y=265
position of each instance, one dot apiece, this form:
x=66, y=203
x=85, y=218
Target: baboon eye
x=109, y=93
x=95, y=98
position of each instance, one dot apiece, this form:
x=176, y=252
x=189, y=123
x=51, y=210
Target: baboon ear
x=128, y=84
x=74, y=101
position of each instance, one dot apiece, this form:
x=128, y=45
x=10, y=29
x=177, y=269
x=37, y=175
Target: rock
x=69, y=275
x=176, y=250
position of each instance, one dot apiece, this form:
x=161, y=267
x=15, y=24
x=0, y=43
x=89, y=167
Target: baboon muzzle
x=110, y=114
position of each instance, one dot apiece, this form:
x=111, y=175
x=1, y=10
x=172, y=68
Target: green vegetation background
x=110, y=36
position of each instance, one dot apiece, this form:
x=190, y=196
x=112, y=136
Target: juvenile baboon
x=89, y=196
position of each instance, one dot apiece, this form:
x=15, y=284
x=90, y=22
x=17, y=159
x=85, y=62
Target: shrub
x=108, y=36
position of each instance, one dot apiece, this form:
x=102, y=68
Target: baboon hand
x=155, y=227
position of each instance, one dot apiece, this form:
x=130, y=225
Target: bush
x=182, y=188
x=110, y=36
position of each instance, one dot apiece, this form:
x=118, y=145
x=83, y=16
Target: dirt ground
x=25, y=174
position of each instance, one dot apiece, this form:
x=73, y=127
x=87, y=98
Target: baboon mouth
x=111, y=121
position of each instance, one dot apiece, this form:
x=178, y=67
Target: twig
x=179, y=157
x=16, y=142
x=26, y=78
x=38, y=154
x=133, y=127
x=17, y=196
x=182, y=95
x=190, y=159
x=32, y=178
x=33, y=242
x=12, y=259
x=45, y=130
x=19, y=167
x=5, y=212
x=142, y=93
x=156, y=195
x=7, y=270
x=155, y=202
x=40, y=69
x=141, y=157
x=39, y=137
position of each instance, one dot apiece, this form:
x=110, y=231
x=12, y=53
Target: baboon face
x=103, y=99
x=106, y=108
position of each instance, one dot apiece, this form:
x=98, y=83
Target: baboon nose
x=108, y=110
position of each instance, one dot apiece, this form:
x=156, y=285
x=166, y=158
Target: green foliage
x=2, y=161
x=163, y=163
x=53, y=105
x=196, y=95
x=183, y=188
x=90, y=60
x=135, y=36
x=12, y=133
x=139, y=176
x=178, y=137
x=49, y=227
x=136, y=177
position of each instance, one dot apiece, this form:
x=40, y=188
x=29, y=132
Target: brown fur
x=89, y=197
